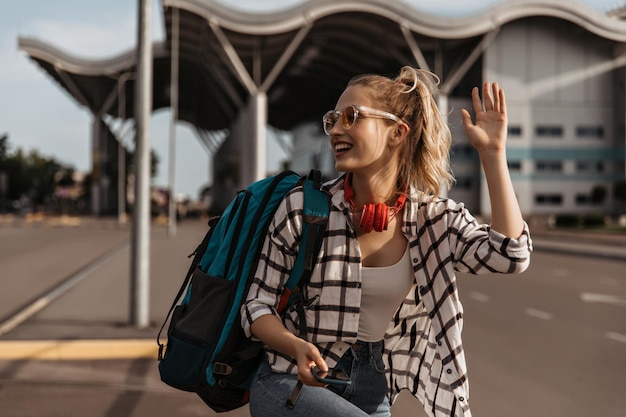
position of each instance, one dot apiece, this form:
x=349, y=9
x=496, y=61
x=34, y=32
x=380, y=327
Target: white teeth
x=342, y=147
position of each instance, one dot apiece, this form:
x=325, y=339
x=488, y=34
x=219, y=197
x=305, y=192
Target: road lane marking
x=610, y=281
x=560, y=272
x=479, y=296
x=616, y=336
x=126, y=387
x=538, y=314
x=42, y=302
x=616, y=300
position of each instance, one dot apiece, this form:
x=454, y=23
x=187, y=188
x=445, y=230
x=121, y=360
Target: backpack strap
x=197, y=256
x=316, y=212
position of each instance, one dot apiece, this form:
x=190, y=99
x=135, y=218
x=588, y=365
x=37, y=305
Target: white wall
x=556, y=74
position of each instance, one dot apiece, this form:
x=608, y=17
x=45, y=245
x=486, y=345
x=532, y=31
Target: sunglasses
x=350, y=115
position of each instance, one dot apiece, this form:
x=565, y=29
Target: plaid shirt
x=422, y=346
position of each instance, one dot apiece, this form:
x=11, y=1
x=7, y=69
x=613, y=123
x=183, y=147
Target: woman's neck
x=381, y=188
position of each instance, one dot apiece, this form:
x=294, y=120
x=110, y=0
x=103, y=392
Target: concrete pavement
x=81, y=284
x=64, y=314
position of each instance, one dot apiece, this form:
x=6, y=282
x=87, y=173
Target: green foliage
x=567, y=220
x=66, y=178
x=29, y=174
x=619, y=190
x=155, y=160
x=36, y=176
x=4, y=147
x=593, y=220
x=599, y=194
x=579, y=220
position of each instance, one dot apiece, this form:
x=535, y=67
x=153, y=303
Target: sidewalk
x=580, y=242
x=89, y=299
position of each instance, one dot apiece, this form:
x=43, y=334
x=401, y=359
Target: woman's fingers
x=502, y=102
x=496, y=97
x=478, y=105
x=492, y=99
x=489, y=105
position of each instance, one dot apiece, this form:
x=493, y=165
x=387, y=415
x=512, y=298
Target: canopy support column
x=253, y=152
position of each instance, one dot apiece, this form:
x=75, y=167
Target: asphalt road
x=550, y=342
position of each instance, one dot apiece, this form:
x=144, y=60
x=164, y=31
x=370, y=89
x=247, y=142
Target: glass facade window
x=549, y=166
x=515, y=131
x=590, y=132
x=583, y=200
x=548, y=199
x=549, y=131
x=590, y=166
x=463, y=150
x=515, y=166
x=463, y=183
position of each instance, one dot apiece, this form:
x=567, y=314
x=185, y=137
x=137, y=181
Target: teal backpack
x=207, y=351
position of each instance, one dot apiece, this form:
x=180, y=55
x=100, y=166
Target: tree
x=155, y=160
x=598, y=194
x=4, y=177
x=4, y=148
x=66, y=177
x=29, y=174
x=40, y=173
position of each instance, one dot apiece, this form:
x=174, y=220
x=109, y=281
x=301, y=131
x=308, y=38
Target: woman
x=382, y=303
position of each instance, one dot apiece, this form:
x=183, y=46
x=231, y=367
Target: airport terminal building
x=561, y=64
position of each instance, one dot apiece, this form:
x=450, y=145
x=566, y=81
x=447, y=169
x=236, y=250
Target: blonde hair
x=425, y=155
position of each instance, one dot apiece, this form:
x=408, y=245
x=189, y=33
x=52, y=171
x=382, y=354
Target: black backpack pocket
x=193, y=331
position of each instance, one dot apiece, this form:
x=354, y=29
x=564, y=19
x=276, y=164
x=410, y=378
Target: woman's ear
x=399, y=133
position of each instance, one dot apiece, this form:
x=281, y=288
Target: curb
x=78, y=349
x=590, y=250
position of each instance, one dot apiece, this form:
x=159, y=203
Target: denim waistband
x=367, y=349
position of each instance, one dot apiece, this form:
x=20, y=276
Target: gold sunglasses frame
x=359, y=111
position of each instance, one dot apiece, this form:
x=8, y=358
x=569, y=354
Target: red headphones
x=373, y=216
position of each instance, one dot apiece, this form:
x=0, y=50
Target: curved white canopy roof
x=301, y=57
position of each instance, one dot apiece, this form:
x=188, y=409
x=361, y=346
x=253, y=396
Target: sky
x=39, y=115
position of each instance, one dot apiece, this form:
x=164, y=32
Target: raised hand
x=489, y=131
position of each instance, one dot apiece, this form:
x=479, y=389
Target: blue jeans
x=366, y=396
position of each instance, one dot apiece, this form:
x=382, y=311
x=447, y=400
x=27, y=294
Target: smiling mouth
x=342, y=147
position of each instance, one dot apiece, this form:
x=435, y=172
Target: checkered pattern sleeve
x=478, y=249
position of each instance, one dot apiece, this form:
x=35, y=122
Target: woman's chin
x=341, y=166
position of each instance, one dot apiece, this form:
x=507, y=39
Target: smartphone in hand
x=333, y=377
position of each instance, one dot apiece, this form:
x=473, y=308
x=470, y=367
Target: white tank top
x=382, y=291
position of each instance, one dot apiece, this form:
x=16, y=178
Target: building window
x=549, y=131
x=515, y=131
x=593, y=167
x=620, y=131
x=548, y=199
x=463, y=183
x=515, y=166
x=549, y=166
x=590, y=132
x=583, y=200
x=463, y=150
